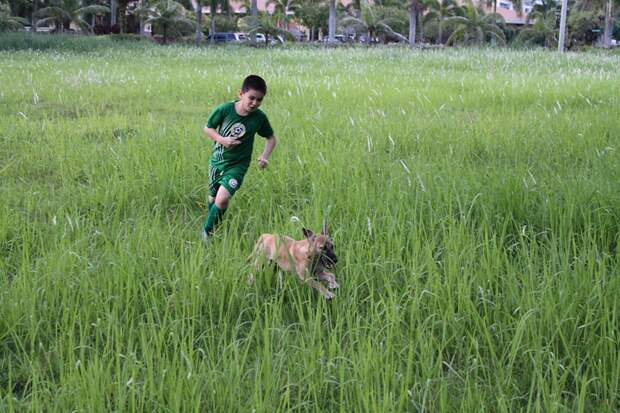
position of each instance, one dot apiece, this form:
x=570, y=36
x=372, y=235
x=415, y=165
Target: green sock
x=210, y=205
x=214, y=218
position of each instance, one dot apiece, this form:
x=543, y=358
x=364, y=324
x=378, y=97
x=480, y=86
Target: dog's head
x=322, y=247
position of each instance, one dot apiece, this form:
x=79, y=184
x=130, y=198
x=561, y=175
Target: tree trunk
x=254, y=13
x=440, y=32
x=609, y=25
x=122, y=17
x=141, y=19
x=212, y=12
x=413, y=21
x=35, y=10
x=421, y=24
x=286, y=18
x=331, y=38
x=112, y=12
x=198, y=22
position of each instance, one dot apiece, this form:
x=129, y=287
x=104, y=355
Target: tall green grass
x=69, y=42
x=473, y=197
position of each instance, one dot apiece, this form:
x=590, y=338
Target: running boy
x=232, y=127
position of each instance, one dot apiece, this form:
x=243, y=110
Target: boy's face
x=251, y=99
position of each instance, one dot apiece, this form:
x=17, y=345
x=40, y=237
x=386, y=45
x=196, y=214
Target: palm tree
x=34, y=15
x=254, y=15
x=64, y=12
x=246, y=5
x=374, y=20
x=475, y=25
x=266, y=25
x=543, y=28
x=213, y=6
x=313, y=14
x=8, y=22
x=283, y=7
x=441, y=10
x=597, y=6
x=212, y=13
x=122, y=14
x=170, y=15
x=543, y=6
x=516, y=4
x=609, y=24
x=143, y=12
x=413, y=21
x=198, y=35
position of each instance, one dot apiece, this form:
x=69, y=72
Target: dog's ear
x=325, y=230
x=307, y=233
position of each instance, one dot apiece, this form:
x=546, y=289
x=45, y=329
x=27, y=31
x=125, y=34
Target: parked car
x=260, y=38
x=340, y=38
x=225, y=37
x=298, y=35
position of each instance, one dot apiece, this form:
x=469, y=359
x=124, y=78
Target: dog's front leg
x=301, y=272
x=321, y=288
x=330, y=278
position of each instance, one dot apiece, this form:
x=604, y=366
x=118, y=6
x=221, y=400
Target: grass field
x=474, y=200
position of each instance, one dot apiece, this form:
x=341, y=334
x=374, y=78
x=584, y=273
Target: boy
x=232, y=127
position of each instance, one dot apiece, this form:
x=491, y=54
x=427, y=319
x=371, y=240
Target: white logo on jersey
x=237, y=130
x=233, y=183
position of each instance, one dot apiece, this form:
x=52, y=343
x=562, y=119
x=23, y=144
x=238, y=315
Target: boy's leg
x=214, y=177
x=214, y=186
x=216, y=211
x=227, y=184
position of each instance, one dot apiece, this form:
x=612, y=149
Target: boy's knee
x=222, y=203
x=222, y=198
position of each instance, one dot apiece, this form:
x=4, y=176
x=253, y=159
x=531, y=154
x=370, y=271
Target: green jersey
x=229, y=123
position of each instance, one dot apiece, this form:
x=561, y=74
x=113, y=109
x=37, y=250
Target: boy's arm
x=263, y=159
x=225, y=142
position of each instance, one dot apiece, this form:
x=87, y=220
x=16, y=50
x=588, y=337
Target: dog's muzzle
x=328, y=261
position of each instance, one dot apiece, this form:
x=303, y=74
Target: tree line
x=439, y=22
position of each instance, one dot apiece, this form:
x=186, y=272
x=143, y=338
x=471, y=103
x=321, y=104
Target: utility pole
x=562, y=26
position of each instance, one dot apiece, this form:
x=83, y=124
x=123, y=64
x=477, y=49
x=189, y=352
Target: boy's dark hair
x=254, y=82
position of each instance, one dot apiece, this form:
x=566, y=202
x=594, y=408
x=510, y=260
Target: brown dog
x=310, y=258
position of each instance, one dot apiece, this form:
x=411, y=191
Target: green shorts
x=230, y=178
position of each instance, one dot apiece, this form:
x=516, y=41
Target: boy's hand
x=262, y=162
x=229, y=142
